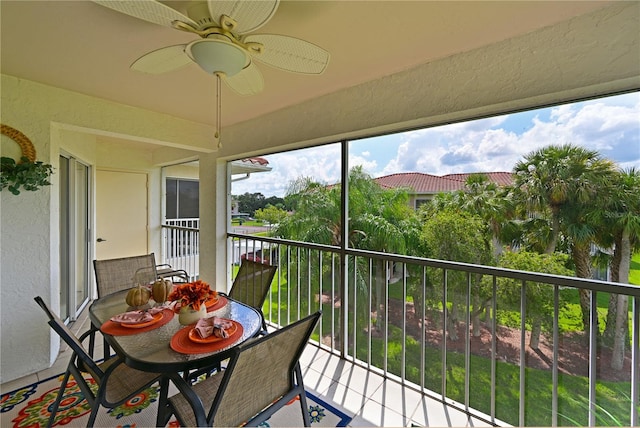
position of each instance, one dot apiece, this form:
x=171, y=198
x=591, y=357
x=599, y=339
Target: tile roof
x=500, y=178
x=259, y=161
x=422, y=183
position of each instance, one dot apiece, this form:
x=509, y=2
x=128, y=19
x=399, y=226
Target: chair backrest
x=74, y=343
x=251, y=284
x=260, y=372
x=122, y=273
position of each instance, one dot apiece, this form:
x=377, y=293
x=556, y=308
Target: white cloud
x=611, y=126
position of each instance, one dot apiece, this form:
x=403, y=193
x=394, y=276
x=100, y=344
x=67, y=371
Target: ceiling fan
x=225, y=47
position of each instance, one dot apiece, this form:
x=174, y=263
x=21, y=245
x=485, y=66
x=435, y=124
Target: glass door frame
x=76, y=215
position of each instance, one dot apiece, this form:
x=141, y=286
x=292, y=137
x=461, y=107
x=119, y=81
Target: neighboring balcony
x=489, y=342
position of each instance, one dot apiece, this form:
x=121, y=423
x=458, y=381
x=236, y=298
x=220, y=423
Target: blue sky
x=609, y=125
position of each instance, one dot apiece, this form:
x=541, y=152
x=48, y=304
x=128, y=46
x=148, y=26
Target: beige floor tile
x=374, y=414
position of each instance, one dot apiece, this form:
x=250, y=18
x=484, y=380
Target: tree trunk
x=610, y=328
x=487, y=311
x=614, y=276
x=582, y=259
x=622, y=312
x=622, y=328
x=555, y=225
x=380, y=298
x=452, y=322
x=475, y=320
x=536, y=330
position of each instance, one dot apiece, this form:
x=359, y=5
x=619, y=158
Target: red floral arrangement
x=192, y=294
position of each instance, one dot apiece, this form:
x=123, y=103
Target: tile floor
x=368, y=397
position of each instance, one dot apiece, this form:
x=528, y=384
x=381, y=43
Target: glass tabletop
x=151, y=351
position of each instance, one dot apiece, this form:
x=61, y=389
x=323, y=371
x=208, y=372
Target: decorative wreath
x=27, y=172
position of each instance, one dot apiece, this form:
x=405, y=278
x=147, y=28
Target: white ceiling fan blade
x=249, y=14
x=162, y=60
x=147, y=10
x=247, y=82
x=289, y=53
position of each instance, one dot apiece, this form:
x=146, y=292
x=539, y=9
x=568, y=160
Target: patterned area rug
x=30, y=407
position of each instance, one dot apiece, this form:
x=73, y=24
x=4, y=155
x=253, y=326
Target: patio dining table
x=151, y=348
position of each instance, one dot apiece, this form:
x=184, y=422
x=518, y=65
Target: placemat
x=180, y=341
x=115, y=329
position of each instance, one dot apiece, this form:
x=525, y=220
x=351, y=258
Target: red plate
x=156, y=317
x=195, y=337
x=211, y=301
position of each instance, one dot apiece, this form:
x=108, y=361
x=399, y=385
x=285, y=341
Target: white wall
x=54, y=120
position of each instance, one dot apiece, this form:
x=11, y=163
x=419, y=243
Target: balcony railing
x=180, y=246
x=490, y=341
x=505, y=346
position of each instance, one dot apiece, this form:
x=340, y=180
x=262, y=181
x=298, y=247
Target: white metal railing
x=180, y=246
x=460, y=333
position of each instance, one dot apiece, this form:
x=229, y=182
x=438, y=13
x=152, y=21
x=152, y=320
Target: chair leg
x=56, y=404
x=303, y=397
x=305, y=409
x=92, y=416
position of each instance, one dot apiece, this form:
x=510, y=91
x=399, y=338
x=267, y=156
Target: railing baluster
x=635, y=362
x=289, y=285
x=354, y=345
x=369, y=317
x=320, y=293
x=403, y=368
x=494, y=340
x=593, y=356
x=423, y=327
x=556, y=344
x=445, y=321
x=467, y=343
x=385, y=308
x=523, y=360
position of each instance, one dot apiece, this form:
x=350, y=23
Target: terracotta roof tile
x=259, y=161
x=422, y=183
x=500, y=178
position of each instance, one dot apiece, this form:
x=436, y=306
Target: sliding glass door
x=75, y=203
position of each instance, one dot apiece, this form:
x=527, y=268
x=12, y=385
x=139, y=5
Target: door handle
x=100, y=240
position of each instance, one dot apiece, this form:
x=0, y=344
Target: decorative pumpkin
x=161, y=289
x=138, y=296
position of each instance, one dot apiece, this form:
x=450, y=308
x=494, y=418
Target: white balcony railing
x=180, y=245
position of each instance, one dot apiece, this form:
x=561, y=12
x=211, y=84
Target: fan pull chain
x=218, y=109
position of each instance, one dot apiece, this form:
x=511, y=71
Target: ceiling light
x=217, y=56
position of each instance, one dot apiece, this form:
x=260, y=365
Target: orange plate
x=195, y=337
x=211, y=301
x=157, y=317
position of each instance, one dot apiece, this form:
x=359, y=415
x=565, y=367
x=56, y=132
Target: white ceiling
x=87, y=48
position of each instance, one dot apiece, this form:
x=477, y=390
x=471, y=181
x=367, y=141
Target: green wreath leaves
x=24, y=174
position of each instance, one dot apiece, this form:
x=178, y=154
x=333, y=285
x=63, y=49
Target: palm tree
x=567, y=182
x=620, y=220
x=379, y=220
x=485, y=199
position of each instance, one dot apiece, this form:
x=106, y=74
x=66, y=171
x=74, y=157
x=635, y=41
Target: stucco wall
x=56, y=120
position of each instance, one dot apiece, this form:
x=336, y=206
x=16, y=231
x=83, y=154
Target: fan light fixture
x=217, y=56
